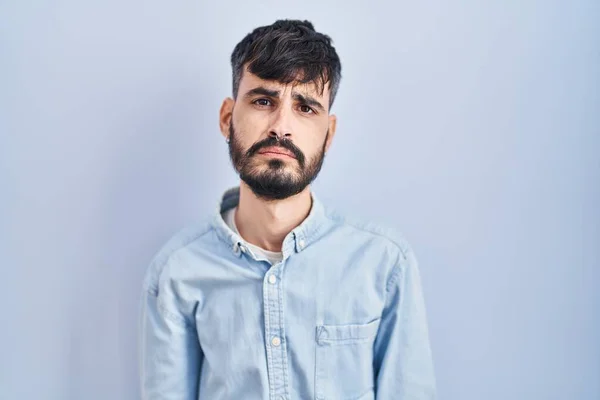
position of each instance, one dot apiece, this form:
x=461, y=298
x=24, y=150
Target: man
x=276, y=296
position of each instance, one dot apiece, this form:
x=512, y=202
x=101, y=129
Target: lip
x=276, y=151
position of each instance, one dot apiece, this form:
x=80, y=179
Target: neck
x=266, y=223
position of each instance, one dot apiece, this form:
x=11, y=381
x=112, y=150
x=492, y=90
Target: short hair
x=288, y=51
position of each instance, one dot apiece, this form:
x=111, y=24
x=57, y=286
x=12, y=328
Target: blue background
x=473, y=127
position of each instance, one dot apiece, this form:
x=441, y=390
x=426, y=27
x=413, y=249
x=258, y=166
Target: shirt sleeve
x=170, y=354
x=403, y=360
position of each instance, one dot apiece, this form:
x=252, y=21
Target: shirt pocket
x=344, y=361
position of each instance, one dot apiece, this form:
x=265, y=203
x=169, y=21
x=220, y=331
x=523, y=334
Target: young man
x=276, y=296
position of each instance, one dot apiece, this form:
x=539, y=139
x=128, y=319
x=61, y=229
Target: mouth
x=277, y=152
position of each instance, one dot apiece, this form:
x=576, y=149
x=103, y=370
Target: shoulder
x=179, y=241
x=391, y=240
x=371, y=230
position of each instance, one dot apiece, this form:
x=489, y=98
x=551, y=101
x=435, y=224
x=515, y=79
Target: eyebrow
x=262, y=91
x=305, y=99
x=308, y=100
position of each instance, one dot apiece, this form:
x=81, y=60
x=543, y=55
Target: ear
x=332, y=126
x=225, y=115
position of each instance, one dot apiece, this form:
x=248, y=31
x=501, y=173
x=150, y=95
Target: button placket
x=274, y=332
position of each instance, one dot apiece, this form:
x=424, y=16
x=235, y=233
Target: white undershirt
x=271, y=256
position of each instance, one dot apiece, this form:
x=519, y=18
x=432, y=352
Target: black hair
x=288, y=51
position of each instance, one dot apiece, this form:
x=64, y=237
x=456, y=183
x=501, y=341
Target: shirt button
x=275, y=341
x=301, y=244
x=272, y=279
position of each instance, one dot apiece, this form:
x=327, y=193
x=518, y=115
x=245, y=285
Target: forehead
x=250, y=81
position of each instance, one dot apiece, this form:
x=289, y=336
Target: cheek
x=250, y=127
x=312, y=142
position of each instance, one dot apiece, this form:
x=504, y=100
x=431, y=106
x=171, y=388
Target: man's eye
x=306, y=109
x=262, y=102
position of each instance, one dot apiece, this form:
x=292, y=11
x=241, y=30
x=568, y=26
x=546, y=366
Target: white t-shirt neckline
x=271, y=256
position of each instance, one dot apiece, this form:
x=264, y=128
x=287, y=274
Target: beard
x=274, y=179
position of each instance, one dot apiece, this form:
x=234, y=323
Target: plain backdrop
x=472, y=127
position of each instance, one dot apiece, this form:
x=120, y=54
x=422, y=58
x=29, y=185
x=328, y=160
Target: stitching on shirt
x=370, y=228
x=152, y=290
x=283, y=333
x=270, y=371
x=333, y=342
x=163, y=260
x=161, y=265
x=182, y=322
x=396, y=272
x=401, y=244
x=168, y=314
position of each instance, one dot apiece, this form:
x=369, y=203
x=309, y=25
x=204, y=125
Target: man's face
x=278, y=135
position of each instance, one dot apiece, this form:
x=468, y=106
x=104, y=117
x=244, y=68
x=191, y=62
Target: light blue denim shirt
x=341, y=317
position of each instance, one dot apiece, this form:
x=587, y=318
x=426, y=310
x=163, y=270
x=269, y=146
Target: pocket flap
x=347, y=333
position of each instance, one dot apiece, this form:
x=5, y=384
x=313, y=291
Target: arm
x=170, y=354
x=403, y=361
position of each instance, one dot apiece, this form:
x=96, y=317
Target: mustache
x=276, y=142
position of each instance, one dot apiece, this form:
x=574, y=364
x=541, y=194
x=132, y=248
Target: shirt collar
x=297, y=240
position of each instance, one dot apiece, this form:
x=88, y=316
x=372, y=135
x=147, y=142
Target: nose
x=281, y=125
x=278, y=136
